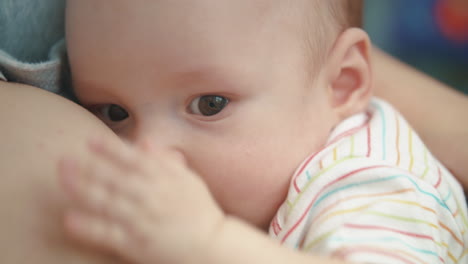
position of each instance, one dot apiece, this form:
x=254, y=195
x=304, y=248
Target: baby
x=221, y=101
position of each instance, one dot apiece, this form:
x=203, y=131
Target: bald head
x=187, y=35
x=181, y=35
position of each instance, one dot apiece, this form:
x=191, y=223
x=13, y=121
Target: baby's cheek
x=252, y=185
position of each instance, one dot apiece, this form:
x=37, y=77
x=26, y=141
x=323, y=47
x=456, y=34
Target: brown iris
x=211, y=104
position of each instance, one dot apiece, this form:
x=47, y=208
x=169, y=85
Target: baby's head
x=244, y=89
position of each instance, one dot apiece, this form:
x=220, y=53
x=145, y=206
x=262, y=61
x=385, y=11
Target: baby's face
x=223, y=82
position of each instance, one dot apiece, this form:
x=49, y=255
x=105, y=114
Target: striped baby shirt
x=375, y=194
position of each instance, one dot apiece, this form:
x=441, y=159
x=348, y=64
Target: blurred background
x=431, y=35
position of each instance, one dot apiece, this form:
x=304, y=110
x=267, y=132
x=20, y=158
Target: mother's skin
x=437, y=112
x=36, y=128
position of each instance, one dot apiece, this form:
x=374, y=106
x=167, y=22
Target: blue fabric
x=409, y=30
x=32, y=49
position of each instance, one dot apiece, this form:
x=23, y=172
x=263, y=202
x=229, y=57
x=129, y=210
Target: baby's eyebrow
x=200, y=72
x=90, y=92
x=206, y=75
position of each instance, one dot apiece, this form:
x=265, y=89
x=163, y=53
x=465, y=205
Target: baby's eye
x=208, y=105
x=112, y=113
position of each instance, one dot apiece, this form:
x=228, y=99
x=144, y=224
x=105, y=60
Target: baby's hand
x=146, y=207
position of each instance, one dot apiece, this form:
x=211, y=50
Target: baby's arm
x=436, y=111
x=149, y=208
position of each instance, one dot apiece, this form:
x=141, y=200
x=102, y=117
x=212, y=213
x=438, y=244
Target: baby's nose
x=155, y=137
x=150, y=141
x=170, y=151
x=146, y=144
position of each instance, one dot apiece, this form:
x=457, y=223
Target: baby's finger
x=71, y=175
x=87, y=191
x=118, y=153
x=96, y=231
x=101, y=189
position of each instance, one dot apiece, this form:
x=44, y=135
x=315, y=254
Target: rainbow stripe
x=374, y=191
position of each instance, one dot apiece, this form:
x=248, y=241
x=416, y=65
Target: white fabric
x=375, y=194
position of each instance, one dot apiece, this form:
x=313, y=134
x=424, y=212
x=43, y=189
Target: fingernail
x=72, y=222
x=146, y=146
x=67, y=170
x=96, y=143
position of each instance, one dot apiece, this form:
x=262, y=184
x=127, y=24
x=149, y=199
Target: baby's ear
x=349, y=73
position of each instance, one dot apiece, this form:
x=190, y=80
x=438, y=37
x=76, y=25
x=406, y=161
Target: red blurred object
x=452, y=18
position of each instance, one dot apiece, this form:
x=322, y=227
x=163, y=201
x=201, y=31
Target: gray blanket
x=32, y=49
